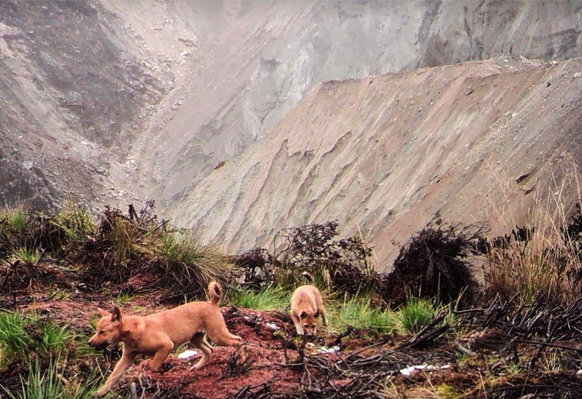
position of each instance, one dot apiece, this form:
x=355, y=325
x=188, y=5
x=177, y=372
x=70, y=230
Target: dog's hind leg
x=161, y=355
x=199, y=341
x=220, y=335
x=321, y=309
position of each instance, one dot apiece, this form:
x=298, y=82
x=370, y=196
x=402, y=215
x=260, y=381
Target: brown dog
x=306, y=306
x=158, y=334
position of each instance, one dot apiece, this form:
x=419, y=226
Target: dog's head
x=309, y=322
x=108, y=329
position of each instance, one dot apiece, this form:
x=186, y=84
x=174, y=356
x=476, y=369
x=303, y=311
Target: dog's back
x=181, y=322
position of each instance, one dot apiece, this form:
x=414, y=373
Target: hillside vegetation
x=516, y=333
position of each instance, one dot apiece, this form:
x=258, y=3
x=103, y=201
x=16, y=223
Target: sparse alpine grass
x=21, y=335
x=542, y=259
x=46, y=381
x=270, y=298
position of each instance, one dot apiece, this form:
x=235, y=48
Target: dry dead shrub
x=257, y=267
x=343, y=264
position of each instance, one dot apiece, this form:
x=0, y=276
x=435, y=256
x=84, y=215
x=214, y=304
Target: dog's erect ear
x=116, y=316
x=102, y=312
x=303, y=315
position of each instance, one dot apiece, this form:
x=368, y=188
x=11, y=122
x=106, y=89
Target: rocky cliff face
x=116, y=101
x=72, y=94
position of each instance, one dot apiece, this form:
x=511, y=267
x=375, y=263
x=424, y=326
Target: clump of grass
x=415, y=314
x=48, y=382
x=76, y=222
x=16, y=221
x=270, y=298
x=359, y=313
x=125, y=237
x=28, y=255
x=53, y=338
x=14, y=337
x=189, y=266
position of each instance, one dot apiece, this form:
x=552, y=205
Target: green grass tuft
x=14, y=338
x=27, y=255
x=270, y=298
x=359, y=313
x=22, y=335
x=16, y=221
x=76, y=221
x=416, y=314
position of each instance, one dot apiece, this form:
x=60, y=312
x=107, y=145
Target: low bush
x=343, y=264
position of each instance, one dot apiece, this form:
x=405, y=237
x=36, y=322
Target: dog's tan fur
x=158, y=334
x=306, y=306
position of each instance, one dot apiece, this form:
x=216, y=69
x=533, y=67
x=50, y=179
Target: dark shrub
x=343, y=262
x=434, y=264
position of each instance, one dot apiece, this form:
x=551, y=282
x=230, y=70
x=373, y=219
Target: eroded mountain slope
x=115, y=101
x=384, y=155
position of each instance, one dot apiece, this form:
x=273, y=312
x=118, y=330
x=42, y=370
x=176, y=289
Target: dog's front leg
x=298, y=326
x=120, y=368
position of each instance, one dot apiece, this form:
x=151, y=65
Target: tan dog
x=306, y=306
x=158, y=334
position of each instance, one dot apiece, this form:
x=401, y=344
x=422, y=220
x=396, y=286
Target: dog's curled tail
x=215, y=292
x=308, y=277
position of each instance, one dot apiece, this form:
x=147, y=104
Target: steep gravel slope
x=472, y=142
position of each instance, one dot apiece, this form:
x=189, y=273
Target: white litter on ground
x=408, y=371
x=272, y=326
x=333, y=349
x=187, y=354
